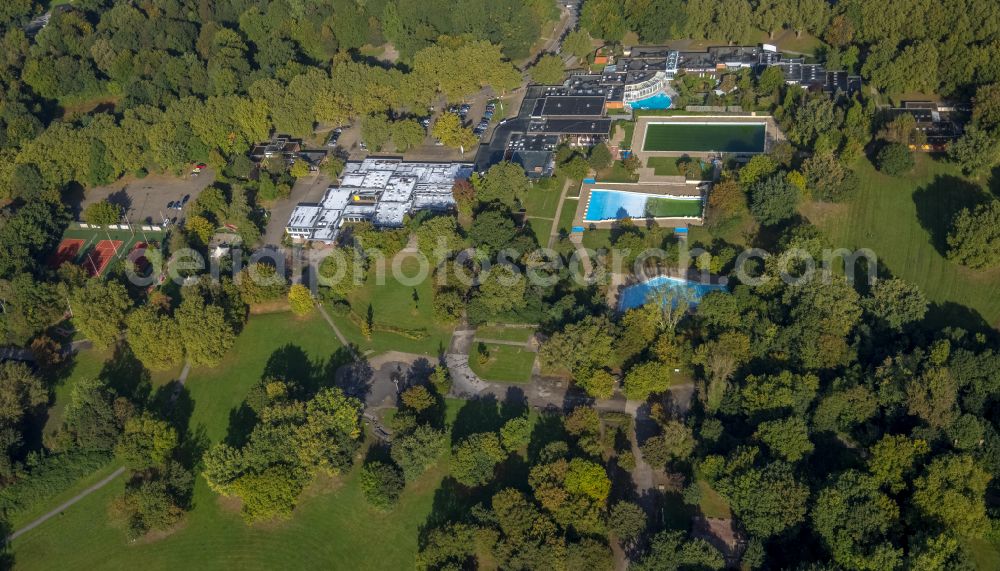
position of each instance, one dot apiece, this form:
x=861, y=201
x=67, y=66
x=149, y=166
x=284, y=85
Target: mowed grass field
x=905, y=221
x=690, y=137
x=506, y=363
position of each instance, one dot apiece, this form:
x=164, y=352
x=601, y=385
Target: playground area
x=95, y=249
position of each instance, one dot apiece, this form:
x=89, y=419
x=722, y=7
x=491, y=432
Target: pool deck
x=655, y=188
x=772, y=133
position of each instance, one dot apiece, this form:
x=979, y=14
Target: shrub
x=894, y=159
x=381, y=483
x=300, y=299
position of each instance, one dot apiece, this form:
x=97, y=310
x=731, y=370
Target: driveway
x=307, y=189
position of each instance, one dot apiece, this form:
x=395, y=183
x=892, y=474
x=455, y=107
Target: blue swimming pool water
x=658, y=101
x=639, y=294
x=614, y=205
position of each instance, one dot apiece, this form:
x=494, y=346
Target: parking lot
x=146, y=200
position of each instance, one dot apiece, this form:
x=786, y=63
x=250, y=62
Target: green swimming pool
x=705, y=137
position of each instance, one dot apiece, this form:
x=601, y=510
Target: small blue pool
x=615, y=205
x=639, y=294
x=659, y=101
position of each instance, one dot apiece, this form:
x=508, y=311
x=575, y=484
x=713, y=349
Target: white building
x=381, y=190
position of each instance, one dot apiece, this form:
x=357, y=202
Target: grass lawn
x=616, y=173
x=333, y=527
x=507, y=364
x=985, y=555
x=597, y=239
x=667, y=166
x=540, y=205
x=712, y=504
x=273, y=344
x=671, y=207
x=566, y=216
x=905, y=220
x=393, y=305
x=502, y=333
x=542, y=202
x=728, y=138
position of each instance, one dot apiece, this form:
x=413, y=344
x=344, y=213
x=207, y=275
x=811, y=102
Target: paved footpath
x=66, y=504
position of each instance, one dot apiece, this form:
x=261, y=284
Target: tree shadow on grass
x=289, y=363
x=125, y=375
x=477, y=415
x=452, y=503
x=953, y=314
x=353, y=376
x=940, y=201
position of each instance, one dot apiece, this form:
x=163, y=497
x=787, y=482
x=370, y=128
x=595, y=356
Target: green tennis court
x=705, y=137
x=672, y=208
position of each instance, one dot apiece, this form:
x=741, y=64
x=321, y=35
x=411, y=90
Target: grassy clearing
x=399, y=304
x=683, y=137
x=712, y=504
x=506, y=364
x=501, y=333
x=905, y=220
x=616, y=173
x=271, y=345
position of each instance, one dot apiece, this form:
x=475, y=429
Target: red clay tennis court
x=66, y=251
x=100, y=256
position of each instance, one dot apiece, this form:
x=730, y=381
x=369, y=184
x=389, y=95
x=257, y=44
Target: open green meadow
x=905, y=221
x=691, y=137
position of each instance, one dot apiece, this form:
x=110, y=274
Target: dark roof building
x=549, y=115
x=936, y=125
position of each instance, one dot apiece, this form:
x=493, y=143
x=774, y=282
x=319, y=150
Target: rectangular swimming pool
x=618, y=204
x=705, y=137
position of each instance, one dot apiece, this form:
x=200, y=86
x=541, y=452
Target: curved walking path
x=62, y=507
x=181, y=379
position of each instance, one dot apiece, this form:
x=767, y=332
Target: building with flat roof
x=935, y=126
x=381, y=190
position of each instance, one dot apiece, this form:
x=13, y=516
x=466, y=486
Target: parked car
x=426, y=122
x=171, y=204
x=334, y=137
x=185, y=200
